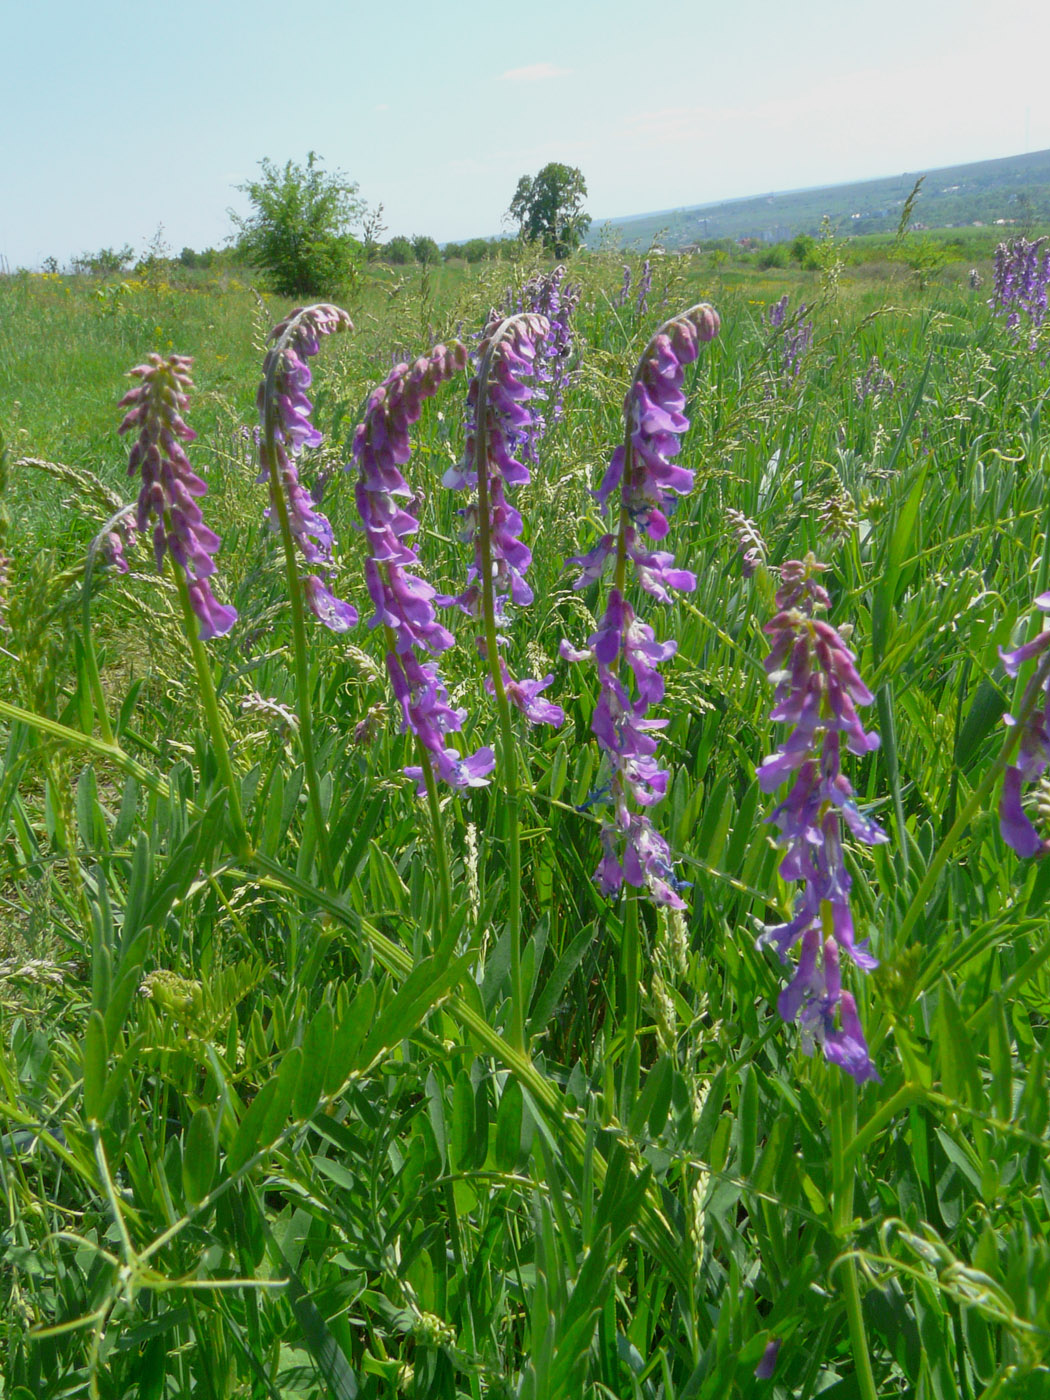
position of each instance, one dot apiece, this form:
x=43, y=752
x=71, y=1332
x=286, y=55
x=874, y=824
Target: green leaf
x=350, y=1035
x=280, y=1106
x=317, y=1051
x=507, y=1147
x=248, y=1138
x=199, y=1156
x=554, y=985
x=94, y=1058
x=463, y=1124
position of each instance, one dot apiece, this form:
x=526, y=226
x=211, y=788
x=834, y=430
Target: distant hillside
x=1015, y=189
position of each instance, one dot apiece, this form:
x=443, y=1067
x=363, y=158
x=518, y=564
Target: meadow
x=317, y=1079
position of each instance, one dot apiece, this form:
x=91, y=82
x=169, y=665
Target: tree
x=299, y=230
x=549, y=208
x=425, y=249
x=398, y=251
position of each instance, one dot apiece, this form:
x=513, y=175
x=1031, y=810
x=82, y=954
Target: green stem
x=210, y=702
x=440, y=851
x=508, y=751
x=300, y=656
x=436, y=825
x=629, y=966
x=843, y=1128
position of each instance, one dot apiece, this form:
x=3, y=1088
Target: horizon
x=445, y=118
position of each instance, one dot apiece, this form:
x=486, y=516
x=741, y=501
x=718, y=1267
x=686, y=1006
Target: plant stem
x=843, y=1128
x=508, y=751
x=300, y=658
x=440, y=851
x=206, y=686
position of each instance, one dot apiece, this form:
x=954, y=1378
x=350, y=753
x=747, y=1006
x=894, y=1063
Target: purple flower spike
x=1022, y=280
x=1033, y=754
x=624, y=648
x=817, y=691
x=284, y=412
x=170, y=489
x=498, y=425
x=404, y=602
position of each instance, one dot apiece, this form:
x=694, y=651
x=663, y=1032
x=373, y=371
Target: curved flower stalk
x=403, y=601
x=498, y=422
x=170, y=488
x=284, y=412
x=817, y=691
x=1033, y=755
x=648, y=482
x=168, y=497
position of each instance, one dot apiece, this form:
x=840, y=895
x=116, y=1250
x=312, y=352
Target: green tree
x=549, y=208
x=398, y=251
x=299, y=230
x=425, y=249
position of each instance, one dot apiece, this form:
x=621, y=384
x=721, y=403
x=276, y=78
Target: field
x=314, y=1086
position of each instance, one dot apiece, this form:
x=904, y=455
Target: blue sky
x=121, y=117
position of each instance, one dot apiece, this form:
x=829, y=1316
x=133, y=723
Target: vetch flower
x=625, y=649
x=497, y=400
x=1022, y=280
x=284, y=412
x=818, y=689
x=1033, y=753
x=404, y=602
x=170, y=488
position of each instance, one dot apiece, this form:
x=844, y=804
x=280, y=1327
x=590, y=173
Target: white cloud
x=534, y=73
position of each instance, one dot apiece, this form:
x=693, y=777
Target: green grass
x=290, y=1153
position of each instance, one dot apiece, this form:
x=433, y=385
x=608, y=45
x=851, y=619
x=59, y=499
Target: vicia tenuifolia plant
x=1022, y=280
x=1033, y=742
x=284, y=412
x=498, y=421
x=645, y=482
x=168, y=497
x=817, y=691
x=170, y=488
x=404, y=602
x=549, y=295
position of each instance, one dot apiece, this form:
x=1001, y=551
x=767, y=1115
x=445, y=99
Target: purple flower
x=624, y=647
x=625, y=290
x=1033, y=755
x=170, y=489
x=796, y=334
x=768, y=1364
x=818, y=689
x=1022, y=277
x=404, y=602
x=284, y=412
x=499, y=422
x=550, y=296
x=645, y=283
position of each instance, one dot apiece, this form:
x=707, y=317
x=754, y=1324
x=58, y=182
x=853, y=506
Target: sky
x=125, y=120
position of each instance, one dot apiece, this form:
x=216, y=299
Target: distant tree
x=105, y=262
x=802, y=248
x=425, y=249
x=475, y=249
x=299, y=230
x=398, y=251
x=549, y=208
x=452, y=251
